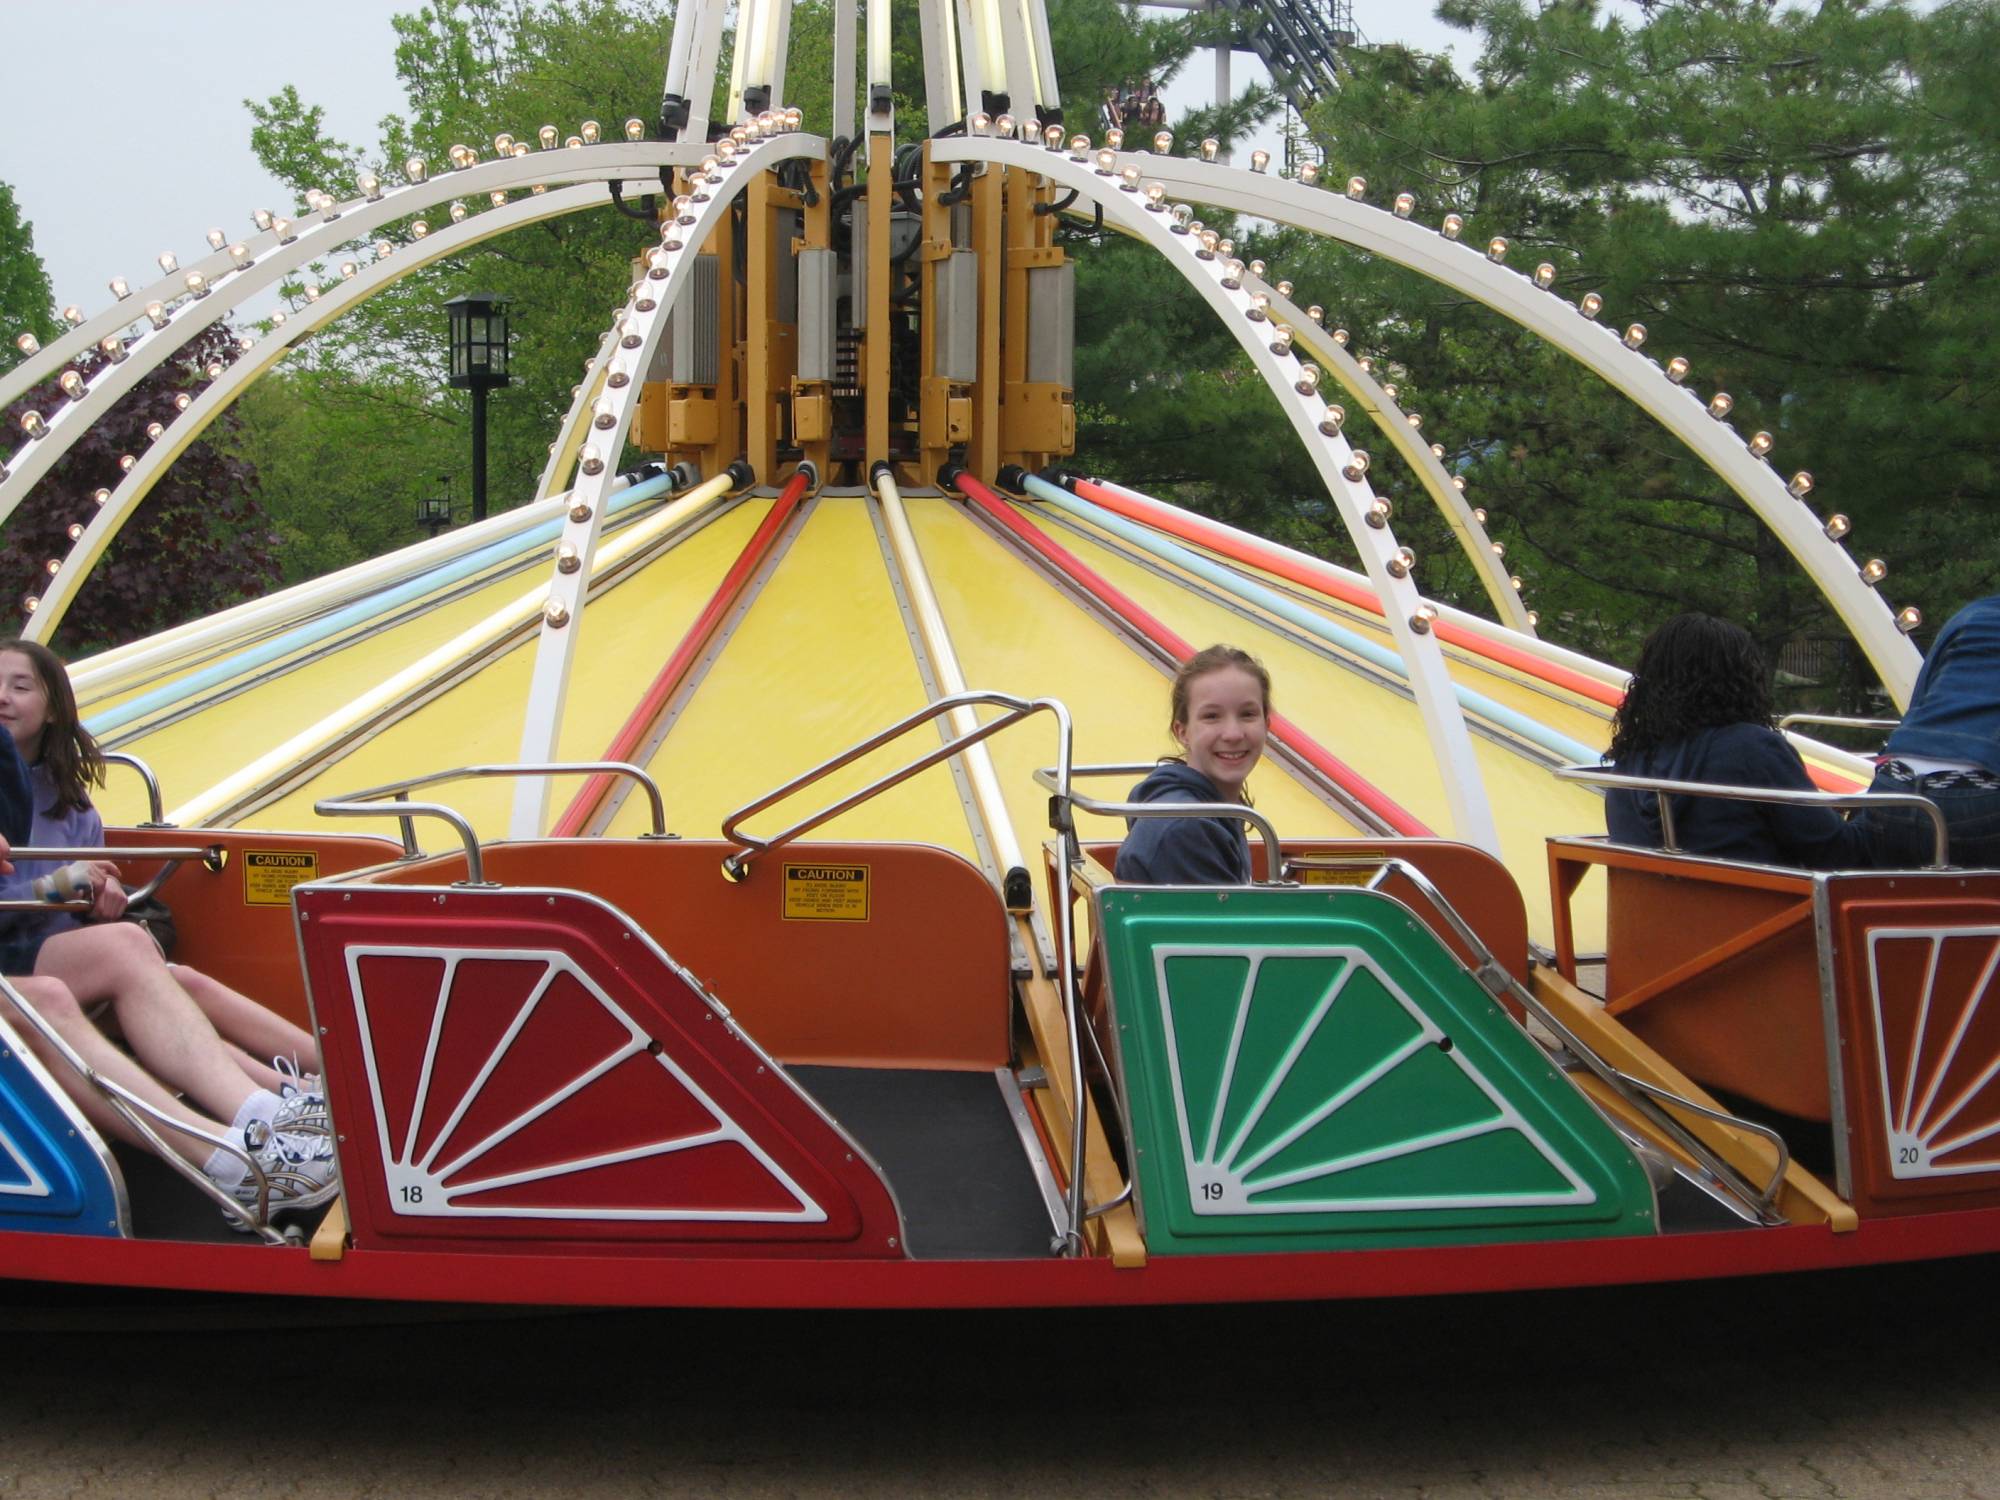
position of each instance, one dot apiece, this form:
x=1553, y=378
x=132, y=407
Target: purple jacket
x=53, y=830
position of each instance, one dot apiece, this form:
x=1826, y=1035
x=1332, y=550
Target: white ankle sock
x=261, y=1105
x=225, y=1169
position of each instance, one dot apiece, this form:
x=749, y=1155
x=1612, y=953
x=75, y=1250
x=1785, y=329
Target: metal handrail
x=752, y=848
x=212, y=857
x=1494, y=978
x=1046, y=777
x=475, y=866
x=408, y=784
x=1664, y=788
x=139, y=1114
x=158, y=819
x=1838, y=721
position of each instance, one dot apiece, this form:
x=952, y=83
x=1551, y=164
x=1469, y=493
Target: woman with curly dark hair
x=1698, y=708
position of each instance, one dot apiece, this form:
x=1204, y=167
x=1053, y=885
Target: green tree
x=27, y=305
x=1798, y=201
x=198, y=543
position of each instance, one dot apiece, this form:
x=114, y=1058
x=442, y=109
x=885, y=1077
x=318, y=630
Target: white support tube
x=1404, y=611
x=680, y=48
x=781, y=54
x=843, y=69
x=1015, y=57
x=669, y=268
x=992, y=50
x=940, y=101
x=879, y=53
x=270, y=774
x=314, y=236
x=576, y=421
x=701, y=76
x=1394, y=424
x=971, y=68
x=1597, y=347
x=988, y=803
x=321, y=241
x=1045, y=53
x=217, y=396
x=747, y=12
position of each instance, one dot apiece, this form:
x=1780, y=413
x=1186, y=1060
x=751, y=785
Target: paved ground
x=1857, y=1385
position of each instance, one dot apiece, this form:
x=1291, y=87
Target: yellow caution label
x=826, y=893
x=1343, y=875
x=270, y=874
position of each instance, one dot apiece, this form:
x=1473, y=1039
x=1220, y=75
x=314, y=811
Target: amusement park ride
x=767, y=949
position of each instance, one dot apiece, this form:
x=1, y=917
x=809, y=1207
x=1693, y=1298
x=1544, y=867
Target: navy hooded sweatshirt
x=1182, y=851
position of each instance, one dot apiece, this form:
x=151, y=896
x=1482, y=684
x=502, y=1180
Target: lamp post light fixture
x=434, y=511
x=479, y=365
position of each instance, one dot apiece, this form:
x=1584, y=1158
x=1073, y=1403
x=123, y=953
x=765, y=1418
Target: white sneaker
x=290, y=1080
x=295, y=1156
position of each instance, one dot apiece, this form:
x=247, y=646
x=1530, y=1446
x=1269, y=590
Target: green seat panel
x=1312, y=1069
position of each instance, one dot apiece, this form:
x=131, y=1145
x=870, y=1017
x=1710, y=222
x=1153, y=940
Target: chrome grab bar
x=1838, y=721
x=142, y=1116
x=1273, y=852
x=1663, y=789
x=212, y=856
x=408, y=784
x=751, y=848
x=475, y=865
x=1493, y=977
x=158, y=819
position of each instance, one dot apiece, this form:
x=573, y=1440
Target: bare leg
x=259, y=1032
x=167, y=1031
x=54, y=1003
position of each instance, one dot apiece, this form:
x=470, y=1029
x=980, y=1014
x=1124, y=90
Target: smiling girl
x=1220, y=717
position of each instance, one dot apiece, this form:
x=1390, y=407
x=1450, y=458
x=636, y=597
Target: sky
x=123, y=131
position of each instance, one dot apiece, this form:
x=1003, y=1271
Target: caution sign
x=270, y=874
x=1340, y=875
x=826, y=893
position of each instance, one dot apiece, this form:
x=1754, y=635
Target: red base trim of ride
x=581, y=1280
x=1239, y=546
x=584, y=806
x=1283, y=730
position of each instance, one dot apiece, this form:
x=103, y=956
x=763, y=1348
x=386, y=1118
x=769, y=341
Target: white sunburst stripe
x=1374, y=1074
x=493, y=1060
x=1223, y=1083
x=720, y=1136
x=1916, y=1036
x=430, y=1055
x=1239, y=1192
x=1966, y=1013
x=438, y=1198
x=632, y=1048
x=1283, y=1070
x=1415, y=1145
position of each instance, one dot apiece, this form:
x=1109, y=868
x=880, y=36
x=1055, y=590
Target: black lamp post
x=478, y=364
x=434, y=511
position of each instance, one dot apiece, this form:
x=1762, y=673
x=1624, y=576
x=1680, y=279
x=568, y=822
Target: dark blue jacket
x=17, y=800
x=1182, y=851
x=1815, y=838
x=1954, y=711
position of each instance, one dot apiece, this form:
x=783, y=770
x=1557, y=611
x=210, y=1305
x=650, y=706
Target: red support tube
x=1288, y=734
x=576, y=817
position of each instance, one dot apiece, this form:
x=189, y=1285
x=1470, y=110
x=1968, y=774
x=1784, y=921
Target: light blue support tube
x=358, y=613
x=1498, y=714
